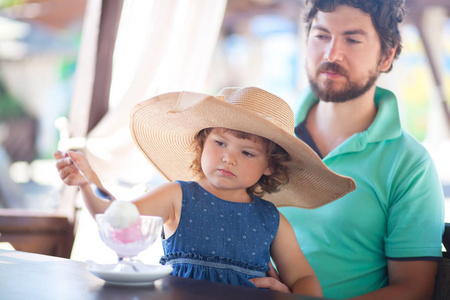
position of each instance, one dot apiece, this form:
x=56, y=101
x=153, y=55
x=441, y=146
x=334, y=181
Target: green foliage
x=10, y=108
x=9, y=3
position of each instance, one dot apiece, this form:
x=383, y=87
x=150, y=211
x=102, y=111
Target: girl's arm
x=293, y=268
x=163, y=201
x=70, y=175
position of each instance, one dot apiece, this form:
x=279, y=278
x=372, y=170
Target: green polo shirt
x=396, y=211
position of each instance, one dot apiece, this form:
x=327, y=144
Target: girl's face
x=230, y=163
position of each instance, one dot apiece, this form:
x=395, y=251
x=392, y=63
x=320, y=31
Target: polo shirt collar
x=386, y=125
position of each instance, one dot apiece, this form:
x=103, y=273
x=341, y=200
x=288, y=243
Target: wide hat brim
x=164, y=127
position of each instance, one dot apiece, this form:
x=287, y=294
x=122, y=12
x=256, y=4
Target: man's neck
x=332, y=123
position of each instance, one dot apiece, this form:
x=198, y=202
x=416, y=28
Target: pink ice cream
x=123, y=216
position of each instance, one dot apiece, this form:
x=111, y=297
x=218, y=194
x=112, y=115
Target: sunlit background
x=260, y=44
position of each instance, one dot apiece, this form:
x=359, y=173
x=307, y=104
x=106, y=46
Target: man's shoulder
x=410, y=145
x=409, y=158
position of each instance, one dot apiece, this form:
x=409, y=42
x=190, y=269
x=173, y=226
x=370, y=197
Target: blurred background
x=70, y=71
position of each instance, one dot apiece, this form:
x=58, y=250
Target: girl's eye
x=219, y=143
x=247, y=154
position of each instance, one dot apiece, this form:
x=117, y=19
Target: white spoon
x=95, y=188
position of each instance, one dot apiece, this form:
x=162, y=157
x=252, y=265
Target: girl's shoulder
x=265, y=203
x=169, y=191
x=186, y=184
x=167, y=186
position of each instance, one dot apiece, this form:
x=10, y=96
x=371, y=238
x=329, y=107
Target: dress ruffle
x=214, y=259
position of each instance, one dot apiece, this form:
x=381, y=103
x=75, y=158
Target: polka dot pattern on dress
x=221, y=232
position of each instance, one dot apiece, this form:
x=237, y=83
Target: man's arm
x=407, y=280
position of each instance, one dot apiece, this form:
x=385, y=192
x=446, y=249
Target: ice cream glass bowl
x=128, y=242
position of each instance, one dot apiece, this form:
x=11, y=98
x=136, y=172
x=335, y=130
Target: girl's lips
x=226, y=173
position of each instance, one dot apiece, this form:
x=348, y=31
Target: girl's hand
x=67, y=171
x=272, y=282
x=295, y=271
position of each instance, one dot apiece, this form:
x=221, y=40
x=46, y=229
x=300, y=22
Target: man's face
x=343, y=54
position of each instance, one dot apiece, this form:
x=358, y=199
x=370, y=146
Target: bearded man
x=382, y=241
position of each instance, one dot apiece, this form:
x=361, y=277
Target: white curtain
x=162, y=46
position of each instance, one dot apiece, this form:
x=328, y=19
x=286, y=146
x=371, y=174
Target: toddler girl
x=222, y=154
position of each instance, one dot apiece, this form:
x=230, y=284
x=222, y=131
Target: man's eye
x=321, y=37
x=352, y=41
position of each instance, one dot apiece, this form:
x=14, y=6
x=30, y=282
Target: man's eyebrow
x=356, y=31
x=348, y=32
x=319, y=27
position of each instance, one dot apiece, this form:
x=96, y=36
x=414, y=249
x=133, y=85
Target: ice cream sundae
x=128, y=233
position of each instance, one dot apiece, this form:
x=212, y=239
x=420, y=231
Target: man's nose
x=334, y=51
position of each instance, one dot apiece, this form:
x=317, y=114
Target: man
x=382, y=241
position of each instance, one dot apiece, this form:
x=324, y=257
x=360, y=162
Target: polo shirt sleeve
x=416, y=214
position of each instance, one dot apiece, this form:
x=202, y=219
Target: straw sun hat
x=164, y=127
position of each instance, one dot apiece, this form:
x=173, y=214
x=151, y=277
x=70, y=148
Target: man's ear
x=386, y=62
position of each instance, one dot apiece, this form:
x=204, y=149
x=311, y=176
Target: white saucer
x=146, y=276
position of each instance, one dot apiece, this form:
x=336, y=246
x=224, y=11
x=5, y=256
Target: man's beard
x=351, y=90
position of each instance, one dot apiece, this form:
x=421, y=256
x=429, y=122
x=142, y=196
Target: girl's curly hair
x=277, y=161
x=385, y=15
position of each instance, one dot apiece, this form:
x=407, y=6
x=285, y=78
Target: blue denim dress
x=219, y=240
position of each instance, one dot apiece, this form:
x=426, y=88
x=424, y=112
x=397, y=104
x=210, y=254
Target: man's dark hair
x=385, y=14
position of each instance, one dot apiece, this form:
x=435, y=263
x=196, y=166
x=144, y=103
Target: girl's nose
x=229, y=159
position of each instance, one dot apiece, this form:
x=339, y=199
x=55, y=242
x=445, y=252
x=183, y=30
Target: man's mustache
x=333, y=67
